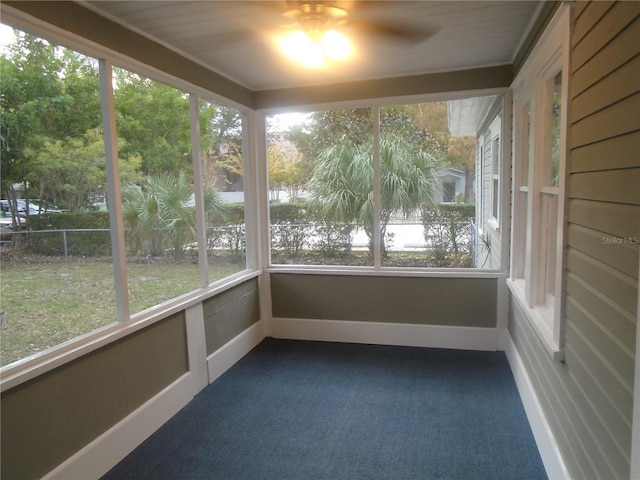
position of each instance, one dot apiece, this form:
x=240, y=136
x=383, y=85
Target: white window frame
x=27, y=368
x=529, y=281
x=496, y=168
x=522, y=126
x=494, y=188
x=480, y=200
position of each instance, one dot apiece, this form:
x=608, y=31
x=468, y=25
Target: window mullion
x=535, y=288
x=114, y=197
x=201, y=226
x=376, y=188
x=257, y=211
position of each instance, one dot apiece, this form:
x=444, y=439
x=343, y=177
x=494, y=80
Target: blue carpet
x=314, y=410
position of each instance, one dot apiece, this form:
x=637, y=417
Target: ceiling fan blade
x=397, y=32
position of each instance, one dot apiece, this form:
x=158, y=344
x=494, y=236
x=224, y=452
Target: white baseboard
x=411, y=335
x=227, y=355
x=102, y=454
x=547, y=445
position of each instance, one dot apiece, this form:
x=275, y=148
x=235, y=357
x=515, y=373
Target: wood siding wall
x=588, y=399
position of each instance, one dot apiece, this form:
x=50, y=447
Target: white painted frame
x=504, y=132
x=550, y=57
x=27, y=368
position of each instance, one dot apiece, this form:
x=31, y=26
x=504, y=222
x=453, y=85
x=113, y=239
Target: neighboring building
x=452, y=181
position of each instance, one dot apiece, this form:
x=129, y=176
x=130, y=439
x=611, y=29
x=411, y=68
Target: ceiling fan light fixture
x=313, y=49
x=336, y=45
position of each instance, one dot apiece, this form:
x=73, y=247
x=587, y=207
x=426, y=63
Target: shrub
x=83, y=233
x=290, y=227
x=449, y=230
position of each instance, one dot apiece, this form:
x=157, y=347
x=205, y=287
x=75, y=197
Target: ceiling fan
x=322, y=29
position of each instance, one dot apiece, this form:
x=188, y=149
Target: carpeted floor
x=313, y=410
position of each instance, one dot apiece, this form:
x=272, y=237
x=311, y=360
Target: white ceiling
x=235, y=38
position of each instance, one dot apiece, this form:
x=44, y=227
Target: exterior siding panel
x=621, y=152
x=616, y=19
x=620, y=288
x=588, y=398
x=619, y=51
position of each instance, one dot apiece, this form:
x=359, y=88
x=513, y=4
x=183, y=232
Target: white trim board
x=226, y=356
x=378, y=333
x=547, y=446
x=103, y=453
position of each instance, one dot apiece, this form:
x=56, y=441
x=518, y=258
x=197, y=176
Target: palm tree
x=341, y=183
x=161, y=212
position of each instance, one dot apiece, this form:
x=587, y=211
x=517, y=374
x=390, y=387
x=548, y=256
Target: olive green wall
x=50, y=418
x=230, y=313
x=476, y=79
x=588, y=399
x=413, y=300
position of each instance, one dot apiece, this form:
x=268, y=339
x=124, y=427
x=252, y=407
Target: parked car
x=6, y=225
x=35, y=207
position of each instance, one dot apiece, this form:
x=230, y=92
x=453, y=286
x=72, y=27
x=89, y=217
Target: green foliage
x=153, y=119
x=77, y=233
x=289, y=228
x=461, y=212
x=221, y=142
x=297, y=228
x=286, y=170
x=449, y=231
x=47, y=93
x=342, y=183
x=228, y=231
x=160, y=214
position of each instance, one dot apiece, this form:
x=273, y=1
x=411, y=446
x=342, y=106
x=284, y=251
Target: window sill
x=540, y=317
x=494, y=224
x=386, y=271
x=28, y=368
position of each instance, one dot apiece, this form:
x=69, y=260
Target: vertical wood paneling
x=588, y=399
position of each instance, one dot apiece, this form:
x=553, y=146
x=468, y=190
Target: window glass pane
x=154, y=142
x=548, y=232
x=222, y=169
x=521, y=169
x=427, y=150
x=495, y=180
x=554, y=125
x=57, y=273
x=321, y=187
x=528, y=144
x=414, y=182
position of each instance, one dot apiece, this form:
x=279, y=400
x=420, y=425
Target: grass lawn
x=50, y=302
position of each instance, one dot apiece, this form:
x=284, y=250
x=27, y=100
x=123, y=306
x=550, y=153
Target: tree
x=221, y=140
x=286, y=172
x=161, y=214
x=459, y=152
x=154, y=121
x=342, y=183
x=71, y=172
x=49, y=94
